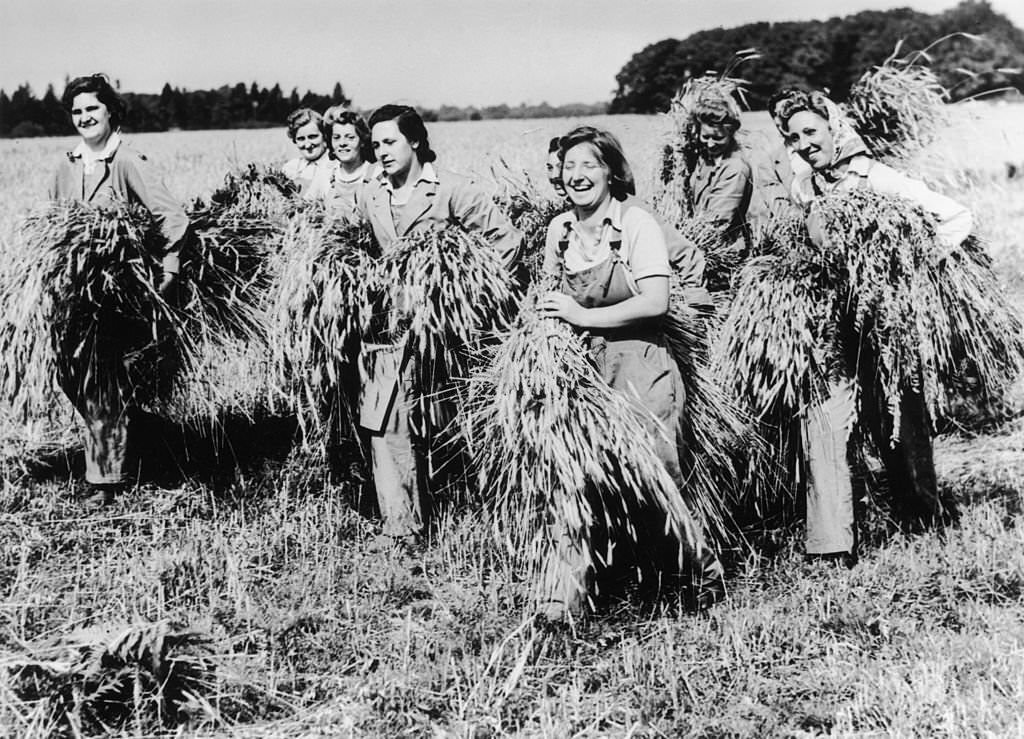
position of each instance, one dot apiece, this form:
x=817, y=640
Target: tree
x=830, y=54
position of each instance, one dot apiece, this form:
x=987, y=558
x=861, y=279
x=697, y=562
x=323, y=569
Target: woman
x=553, y=165
x=719, y=181
x=409, y=195
x=313, y=170
x=774, y=172
x=352, y=152
x=612, y=262
x=838, y=161
x=103, y=169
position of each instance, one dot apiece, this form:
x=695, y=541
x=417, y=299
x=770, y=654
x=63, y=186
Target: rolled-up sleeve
x=954, y=222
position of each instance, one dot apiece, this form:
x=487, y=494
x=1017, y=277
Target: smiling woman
x=610, y=261
x=313, y=170
x=409, y=196
x=103, y=170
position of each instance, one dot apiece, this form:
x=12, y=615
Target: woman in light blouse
x=839, y=161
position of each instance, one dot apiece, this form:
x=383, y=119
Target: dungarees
x=634, y=361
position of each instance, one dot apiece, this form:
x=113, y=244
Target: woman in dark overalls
x=612, y=263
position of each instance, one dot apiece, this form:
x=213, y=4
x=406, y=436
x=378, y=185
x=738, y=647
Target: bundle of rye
x=877, y=290
x=530, y=211
x=558, y=451
x=320, y=304
x=82, y=308
x=443, y=293
x=898, y=107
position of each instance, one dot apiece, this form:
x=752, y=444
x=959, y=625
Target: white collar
x=90, y=157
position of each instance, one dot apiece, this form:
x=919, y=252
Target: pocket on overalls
x=642, y=371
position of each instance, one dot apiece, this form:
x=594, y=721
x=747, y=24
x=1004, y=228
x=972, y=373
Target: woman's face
x=810, y=137
x=310, y=140
x=554, y=168
x=715, y=139
x=91, y=118
x=394, y=152
x=345, y=143
x=586, y=178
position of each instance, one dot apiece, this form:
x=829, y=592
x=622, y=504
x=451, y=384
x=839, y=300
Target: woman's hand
x=560, y=305
x=168, y=286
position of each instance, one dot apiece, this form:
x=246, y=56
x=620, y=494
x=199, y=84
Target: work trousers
x=908, y=462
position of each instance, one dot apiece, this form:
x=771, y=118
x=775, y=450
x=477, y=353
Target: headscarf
x=846, y=142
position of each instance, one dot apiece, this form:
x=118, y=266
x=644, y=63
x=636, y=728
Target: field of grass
x=304, y=631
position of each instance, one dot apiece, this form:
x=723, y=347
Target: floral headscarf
x=846, y=142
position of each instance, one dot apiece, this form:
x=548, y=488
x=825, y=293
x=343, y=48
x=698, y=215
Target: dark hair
x=798, y=101
x=99, y=85
x=554, y=145
x=411, y=126
x=341, y=116
x=301, y=117
x=609, y=150
x=784, y=94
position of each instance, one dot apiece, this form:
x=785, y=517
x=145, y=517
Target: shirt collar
x=89, y=156
x=427, y=174
x=612, y=216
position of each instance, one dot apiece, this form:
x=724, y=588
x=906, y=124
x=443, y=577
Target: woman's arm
x=728, y=195
x=650, y=302
x=475, y=210
x=954, y=222
x=140, y=183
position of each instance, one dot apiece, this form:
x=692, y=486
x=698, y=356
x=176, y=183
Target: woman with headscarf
x=838, y=161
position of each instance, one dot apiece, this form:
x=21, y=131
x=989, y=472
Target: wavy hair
x=339, y=115
x=609, y=151
x=99, y=85
x=411, y=126
x=304, y=116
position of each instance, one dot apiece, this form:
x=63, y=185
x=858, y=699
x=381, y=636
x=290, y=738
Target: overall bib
x=634, y=361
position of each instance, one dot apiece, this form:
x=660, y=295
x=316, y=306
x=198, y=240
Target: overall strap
x=615, y=245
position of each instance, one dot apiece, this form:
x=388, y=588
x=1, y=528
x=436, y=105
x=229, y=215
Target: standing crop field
x=248, y=585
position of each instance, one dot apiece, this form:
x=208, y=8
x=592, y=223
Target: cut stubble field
x=307, y=632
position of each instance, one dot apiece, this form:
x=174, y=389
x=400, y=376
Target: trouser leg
x=909, y=463
x=106, y=444
x=394, y=472
x=826, y=435
x=565, y=576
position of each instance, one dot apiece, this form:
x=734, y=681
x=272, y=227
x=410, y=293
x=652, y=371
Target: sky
x=421, y=52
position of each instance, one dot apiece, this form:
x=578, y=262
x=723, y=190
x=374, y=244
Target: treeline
x=543, y=110
x=831, y=55
x=238, y=106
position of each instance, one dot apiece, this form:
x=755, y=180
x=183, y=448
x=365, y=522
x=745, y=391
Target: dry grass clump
x=878, y=287
x=259, y=190
x=555, y=447
x=320, y=307
x=898, y=107
x=85, y=310
x=142, y=678
x=530, y=211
